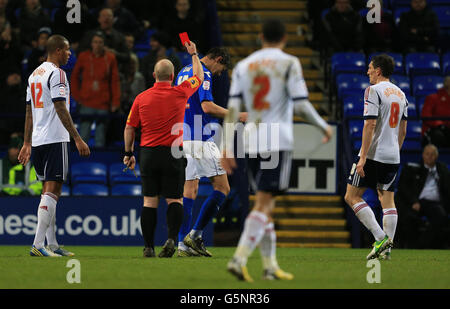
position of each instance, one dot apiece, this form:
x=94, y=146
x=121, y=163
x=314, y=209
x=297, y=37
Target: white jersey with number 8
x=388, y=104
x=47, y=84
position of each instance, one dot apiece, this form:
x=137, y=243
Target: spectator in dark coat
x=342, y=28
x=31, y=18
x=419, y=28
x=424, y=190
x=380, y=36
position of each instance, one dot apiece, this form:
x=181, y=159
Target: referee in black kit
x=156, y=111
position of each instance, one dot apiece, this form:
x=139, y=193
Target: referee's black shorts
x=162, y=173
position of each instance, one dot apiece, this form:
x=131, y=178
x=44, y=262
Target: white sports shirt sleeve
x=46, y=85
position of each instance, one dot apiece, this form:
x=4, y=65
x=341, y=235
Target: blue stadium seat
x=90, y=189
x=398, y=61
x=422, y=64
x=443, y=13
x=89, y=172
x=398, y=13
x=356, y=127
x=371, y=198
x=348, y=62
x=185, y=58
x=402, y=82
x=401, y=4
x=126, y=190
x=357, y=144
x=412, y=111
x=353, y=105
x=412, y=145
x=351, y=84
x=446, y=64
x=414, y=129
x=65, y=190
x=118, y=176
x=425, y=85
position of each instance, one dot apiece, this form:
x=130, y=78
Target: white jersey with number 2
x=47, y=84
x=388, y=104
x=268, y=82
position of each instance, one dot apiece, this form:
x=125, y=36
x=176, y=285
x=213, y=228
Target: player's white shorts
x=203, y=159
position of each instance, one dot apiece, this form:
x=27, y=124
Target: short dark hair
x=385, y=63
x=162, y=38
x=56, y=41
x=273, y=30
x=215, y=52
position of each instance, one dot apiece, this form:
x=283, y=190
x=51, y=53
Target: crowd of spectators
x=341, y=26
x=103, y=56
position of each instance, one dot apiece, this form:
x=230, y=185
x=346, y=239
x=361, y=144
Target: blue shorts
x=378, y=175
x=270, y=173
x=51, y=161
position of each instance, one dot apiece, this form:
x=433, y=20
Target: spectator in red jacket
x=438, y=105
x=96, y=87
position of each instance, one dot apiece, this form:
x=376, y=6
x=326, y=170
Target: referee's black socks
x=174, y=220
x=148, y=225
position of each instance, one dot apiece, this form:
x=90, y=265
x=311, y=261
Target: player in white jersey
x=48, y=127
x=270, y=84
x=385, y=118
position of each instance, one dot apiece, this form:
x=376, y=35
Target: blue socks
x=185, y=228
x=209, y=209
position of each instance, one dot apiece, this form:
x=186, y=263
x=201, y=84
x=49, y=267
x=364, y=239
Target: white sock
x=390, y=221
x=367, y=217
x=251, y=236
x=46, y=211
x=196, y=233
x=267, y=247
x=182, y=246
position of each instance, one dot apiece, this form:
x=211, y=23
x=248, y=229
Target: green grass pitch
x=124, y=267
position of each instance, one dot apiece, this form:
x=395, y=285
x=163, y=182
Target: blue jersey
x=195, y=119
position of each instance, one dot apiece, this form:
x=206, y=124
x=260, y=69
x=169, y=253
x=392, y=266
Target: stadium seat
x=412, y=145
x=422, y=64
x=357, y=144
x=446, y=64
x=443, y=13
x=65, y=190
x=351, y=84
x=126, y=190
x=118, y=176
x=355, y=128
x=371, y=198
x=414, y=129
x=89, y=172
x=412, y=110
x=402, y=82
x=353, y=105
x=425, y=85
x=90, y=189
x=398, y=13
x=398, y=61
x=348, y=62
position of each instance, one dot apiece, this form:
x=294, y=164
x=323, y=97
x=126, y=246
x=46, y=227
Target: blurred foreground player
x=159, y=112
x=48, y=127
x=270, y=83
x=385, y=114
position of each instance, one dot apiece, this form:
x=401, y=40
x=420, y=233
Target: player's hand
x=228, y=163
x=25, y=154
x=328, y=133
x=360, y=167
x=416, y=206
x=83, y=148
x=130, y=162
x=243, y=116
x=190, y=47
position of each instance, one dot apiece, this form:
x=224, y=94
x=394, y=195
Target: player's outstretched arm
x=304, y=109
x=25, y=151
x=66, y=120
x=197, y=68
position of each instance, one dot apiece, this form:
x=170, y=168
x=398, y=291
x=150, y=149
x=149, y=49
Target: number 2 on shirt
x=393, y=118
x=36, y=97
x=258, y=101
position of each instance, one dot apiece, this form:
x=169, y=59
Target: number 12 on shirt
x=36, y=96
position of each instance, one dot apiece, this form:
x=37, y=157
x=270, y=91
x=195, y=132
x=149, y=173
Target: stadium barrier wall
x=86, y=221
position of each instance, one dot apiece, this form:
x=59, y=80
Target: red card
x=184, y=38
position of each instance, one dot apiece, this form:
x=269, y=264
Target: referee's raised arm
x=197, y=68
